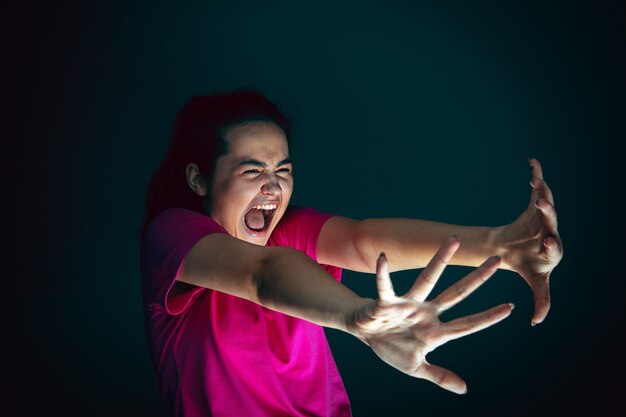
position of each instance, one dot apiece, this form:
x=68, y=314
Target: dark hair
x=198, y=135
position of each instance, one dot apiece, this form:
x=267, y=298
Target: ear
x=194, y=179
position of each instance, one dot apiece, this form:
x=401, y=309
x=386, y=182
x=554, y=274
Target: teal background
x=405, y=109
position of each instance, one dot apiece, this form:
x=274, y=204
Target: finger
x=467, y=285
x=383, y=280
x=443, y=377
x=549, y=214
x=475, y=322
x=543, y=189
x=428, y=278
x=541, y=292
x=534, y=165
x=537, y=170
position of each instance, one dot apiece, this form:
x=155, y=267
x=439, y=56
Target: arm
x=530, y=245
x=410, y=243
x=278, y=278
x=401, y=330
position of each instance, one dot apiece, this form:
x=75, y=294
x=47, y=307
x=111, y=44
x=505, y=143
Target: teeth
x=265, y=206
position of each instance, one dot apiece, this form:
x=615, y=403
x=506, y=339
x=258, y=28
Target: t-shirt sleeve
x=300, y=229
x=168, y=239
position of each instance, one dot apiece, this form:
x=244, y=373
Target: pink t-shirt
x=220, y=355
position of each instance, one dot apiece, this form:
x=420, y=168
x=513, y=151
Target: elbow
x=275, y=273
x=258, y=285
x=265, y=274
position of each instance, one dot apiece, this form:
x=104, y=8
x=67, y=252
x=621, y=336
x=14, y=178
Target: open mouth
x=259, y=217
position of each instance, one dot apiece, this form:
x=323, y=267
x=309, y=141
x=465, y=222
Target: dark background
x=425, y=110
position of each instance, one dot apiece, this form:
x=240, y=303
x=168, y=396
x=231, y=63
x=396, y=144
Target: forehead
x=258, y=140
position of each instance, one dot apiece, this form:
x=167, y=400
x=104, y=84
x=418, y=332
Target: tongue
x=255, y=219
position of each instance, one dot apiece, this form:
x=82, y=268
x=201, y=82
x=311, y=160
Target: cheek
x=235, y=196
x=227, y=191
x=287, y=186
x=225, y=198
x=286, y=183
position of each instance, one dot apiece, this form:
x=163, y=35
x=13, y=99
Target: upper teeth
x=265, y=206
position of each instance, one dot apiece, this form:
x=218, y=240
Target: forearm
x=411, y=243
x=291, y=282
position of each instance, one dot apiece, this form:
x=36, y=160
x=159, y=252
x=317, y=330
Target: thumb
x=541, y=293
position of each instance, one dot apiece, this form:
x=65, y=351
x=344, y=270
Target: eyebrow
x=254, y=162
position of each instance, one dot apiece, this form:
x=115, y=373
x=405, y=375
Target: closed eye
x=252, y=171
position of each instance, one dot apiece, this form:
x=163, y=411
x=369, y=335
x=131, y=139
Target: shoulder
x=299, y=218
x=300, y=228
x=168, y=239
x=175, y=226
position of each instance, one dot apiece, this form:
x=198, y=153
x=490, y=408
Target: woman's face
x=253, y=183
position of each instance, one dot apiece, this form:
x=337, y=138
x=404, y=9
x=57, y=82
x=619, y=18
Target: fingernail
x=465, y=392
x=382, y=255
x=537, y=203
x=530, y=162
x=532, y=323
x=512, y=306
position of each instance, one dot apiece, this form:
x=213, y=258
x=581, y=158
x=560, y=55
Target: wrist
x=498, y=246
x=358, y=315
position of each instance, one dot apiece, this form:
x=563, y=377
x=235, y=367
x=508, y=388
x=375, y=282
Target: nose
x=271, y=187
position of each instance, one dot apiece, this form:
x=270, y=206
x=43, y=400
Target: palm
x=406, y=346
x=402, y=330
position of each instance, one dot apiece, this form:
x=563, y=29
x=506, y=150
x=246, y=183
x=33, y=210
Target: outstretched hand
x=402, y=330
x=532, y=245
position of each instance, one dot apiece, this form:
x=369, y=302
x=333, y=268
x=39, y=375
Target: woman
x=237, y=284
